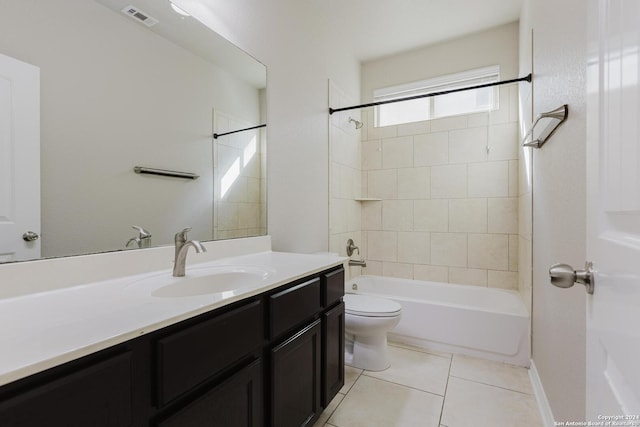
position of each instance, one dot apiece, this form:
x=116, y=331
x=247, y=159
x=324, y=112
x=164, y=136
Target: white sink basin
x=226, y=280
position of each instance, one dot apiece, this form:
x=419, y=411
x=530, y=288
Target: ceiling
x=376, y=28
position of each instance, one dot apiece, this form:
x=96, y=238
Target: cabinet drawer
x=333, y=287
x=188, y=357
x=98, y=395
x=293, y=306
x=236, y=402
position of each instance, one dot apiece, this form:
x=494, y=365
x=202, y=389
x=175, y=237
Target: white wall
x=294, y=41
x=115, y=95
x=559, y=64
x=497, y=46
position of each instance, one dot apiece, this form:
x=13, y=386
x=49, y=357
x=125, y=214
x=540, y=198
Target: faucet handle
x=181, y=236
x=143, y=234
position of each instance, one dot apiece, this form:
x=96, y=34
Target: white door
x=19, y=159
x=613, y=212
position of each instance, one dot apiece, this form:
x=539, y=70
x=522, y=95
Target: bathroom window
x=466, y=102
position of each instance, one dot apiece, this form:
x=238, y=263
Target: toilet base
x=369, y=353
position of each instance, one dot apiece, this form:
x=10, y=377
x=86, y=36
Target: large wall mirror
x=116, y=93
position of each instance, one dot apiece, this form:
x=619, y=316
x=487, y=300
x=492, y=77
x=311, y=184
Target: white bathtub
x=476, y=321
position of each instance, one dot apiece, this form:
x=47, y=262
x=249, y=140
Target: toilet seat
x=368, y=306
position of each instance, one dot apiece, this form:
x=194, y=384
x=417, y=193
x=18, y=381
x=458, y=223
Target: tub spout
x=357, y=263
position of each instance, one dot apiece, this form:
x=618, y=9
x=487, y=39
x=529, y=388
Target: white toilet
x=367, y=321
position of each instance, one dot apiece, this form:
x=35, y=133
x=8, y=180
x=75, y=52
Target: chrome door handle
x=564, y=276
x=30, y=236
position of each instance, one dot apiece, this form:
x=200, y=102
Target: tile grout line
x=492, y=385
x=445, y=392
x=403, y=385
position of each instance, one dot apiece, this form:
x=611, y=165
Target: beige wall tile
x=372, y=155
x=468, y=215
x=449, y=181
x=468, y=276
x=373, y=268
x=415, y=128
x=399, y=270
x=489, y=251
x=382, y=184
x=414, y=183
x=503, y=142
x=514, y=246
x=431, y=149
x=431, y=215
x=397, y=215
x=382, y=245
x=431, y=273
x=397, y=152
x=503, y=279
x=449, y=249
x=489, y=179
x=468, y=145
x=372, y=215
x=478, y=119
x=513, y=178
x=414, y=247
x=503, y=215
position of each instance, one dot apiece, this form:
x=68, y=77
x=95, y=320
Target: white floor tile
x=492, y=373
x=422, y=371
x=375, y=403
x=351, y=374
x=472, y=404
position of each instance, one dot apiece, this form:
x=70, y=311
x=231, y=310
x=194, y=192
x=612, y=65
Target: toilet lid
x=365, y=305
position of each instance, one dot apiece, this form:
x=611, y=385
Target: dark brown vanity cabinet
x=272, y=360
x=99, y=395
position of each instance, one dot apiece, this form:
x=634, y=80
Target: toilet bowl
x=367, y=321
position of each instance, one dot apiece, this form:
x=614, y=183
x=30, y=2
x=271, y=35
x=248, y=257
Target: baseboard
x=541, y=397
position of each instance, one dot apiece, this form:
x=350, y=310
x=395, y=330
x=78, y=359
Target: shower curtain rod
x=217, y=135
x=428, y=95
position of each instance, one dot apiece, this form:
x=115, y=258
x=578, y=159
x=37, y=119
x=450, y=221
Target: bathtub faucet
x=358, y=262
x=351, y=247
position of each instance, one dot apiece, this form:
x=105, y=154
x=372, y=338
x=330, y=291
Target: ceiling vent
x=139, y=15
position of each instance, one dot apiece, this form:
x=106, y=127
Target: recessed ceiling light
x=178, y=10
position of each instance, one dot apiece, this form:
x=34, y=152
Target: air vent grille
x=140, y=16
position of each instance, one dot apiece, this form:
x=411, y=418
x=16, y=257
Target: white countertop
x=42, y=330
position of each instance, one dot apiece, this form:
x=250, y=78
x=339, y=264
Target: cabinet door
x=191, y=356
x=332, y=353
x=236, y=402
x=97, y=396
x=295, y=379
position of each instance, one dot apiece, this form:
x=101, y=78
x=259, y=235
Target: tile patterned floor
x=423, y=389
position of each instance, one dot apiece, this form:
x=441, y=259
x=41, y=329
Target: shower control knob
x=30, y=236
x=564, y=276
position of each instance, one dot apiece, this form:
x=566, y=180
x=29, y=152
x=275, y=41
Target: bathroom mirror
x=125, y=84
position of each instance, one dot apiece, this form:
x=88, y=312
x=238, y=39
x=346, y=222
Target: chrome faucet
x=142, y=240
x=182, y=247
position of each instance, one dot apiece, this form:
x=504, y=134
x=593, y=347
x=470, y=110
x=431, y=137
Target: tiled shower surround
x=448, y=197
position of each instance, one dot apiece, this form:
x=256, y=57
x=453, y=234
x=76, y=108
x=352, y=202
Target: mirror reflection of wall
x=239, y=165
x=114, y=95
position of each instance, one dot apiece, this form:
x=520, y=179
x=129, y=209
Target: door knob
x=30, y=236
x=564, y=276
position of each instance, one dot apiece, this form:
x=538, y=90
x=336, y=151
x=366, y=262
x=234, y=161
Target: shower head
x=357, y=122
